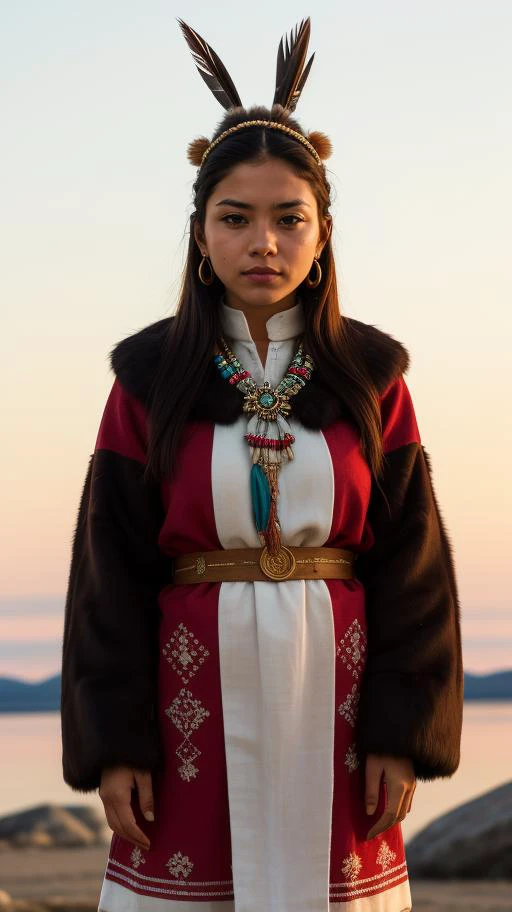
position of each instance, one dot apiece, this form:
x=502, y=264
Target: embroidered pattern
x=351, y=866
x=185, y=653
x=348, y=709
x=187, y=714
x=385, y=855
x=351, y=759
x=137, y=857
x=219, y=887
x=352, y=648
x=179, y=864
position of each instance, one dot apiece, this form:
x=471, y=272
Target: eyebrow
x=240, y=205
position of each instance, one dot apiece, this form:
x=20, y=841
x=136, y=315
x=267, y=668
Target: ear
x=325, y=233
x=199, y=236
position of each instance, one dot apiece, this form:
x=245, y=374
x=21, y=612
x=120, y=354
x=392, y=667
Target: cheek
x=228, y=257
x=304, y=246
x=226, y=246
x=304, y=238
x=310, y=237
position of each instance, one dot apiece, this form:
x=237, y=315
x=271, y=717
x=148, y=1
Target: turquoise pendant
x=267, y=399
x=260, y=495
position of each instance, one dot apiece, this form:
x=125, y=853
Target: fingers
x=391, y=814
x=145, y=790
x=374, y=769
x=115, y=792
x=399, y=798
x=400, y=787
x=121, y=820
x=411, y=796
x=130, y=828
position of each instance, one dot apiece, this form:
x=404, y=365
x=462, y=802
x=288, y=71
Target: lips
x=260, y=270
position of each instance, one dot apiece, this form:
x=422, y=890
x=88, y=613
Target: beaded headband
x=290, y=79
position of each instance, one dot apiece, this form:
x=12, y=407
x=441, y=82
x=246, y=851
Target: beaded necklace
x=270, y=444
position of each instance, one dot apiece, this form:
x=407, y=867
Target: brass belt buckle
x=279, y=566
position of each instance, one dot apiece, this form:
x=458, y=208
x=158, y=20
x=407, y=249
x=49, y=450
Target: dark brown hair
x=189, y=344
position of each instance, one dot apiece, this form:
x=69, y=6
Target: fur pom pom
x=196, y=150
x=321, y=143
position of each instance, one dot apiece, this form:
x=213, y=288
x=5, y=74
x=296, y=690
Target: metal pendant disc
x=279, y=566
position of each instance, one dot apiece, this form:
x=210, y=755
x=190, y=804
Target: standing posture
x=261, y=649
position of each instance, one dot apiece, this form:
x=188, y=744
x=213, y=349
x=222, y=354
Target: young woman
x=262, y=647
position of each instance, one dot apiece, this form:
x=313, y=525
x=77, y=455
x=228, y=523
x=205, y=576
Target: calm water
x=30, y=764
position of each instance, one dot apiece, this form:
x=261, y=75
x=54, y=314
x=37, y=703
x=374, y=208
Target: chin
x=274, y=290
x=254, y=294
x=262, y=297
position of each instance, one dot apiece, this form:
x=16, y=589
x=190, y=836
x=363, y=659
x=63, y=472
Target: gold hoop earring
x=312, y=283
x=209, y=280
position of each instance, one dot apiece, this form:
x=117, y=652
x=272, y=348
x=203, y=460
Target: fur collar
x=133, y=361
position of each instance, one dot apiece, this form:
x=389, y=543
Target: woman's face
x=250, y=230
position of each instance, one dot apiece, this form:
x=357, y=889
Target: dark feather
x=290, y=77
x=211, y=68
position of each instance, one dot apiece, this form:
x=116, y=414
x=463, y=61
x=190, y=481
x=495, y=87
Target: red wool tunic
x=260, y=806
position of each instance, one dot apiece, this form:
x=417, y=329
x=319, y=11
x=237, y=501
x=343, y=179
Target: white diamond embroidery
x=352, y=648
x=187, y=714
x=348, y=709
x=351, y=759
x=351, y=866
x=179, y=864
x=137, y=857
x=185, y=653
x=385, y=855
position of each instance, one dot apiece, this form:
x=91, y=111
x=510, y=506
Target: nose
x=263, y=244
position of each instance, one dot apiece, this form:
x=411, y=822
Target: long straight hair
x=193, y=330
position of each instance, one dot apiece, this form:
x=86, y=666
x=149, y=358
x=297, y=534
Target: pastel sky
x=101, y=102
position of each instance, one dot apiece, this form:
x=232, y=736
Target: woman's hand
x=115, y=790
x=400, y=786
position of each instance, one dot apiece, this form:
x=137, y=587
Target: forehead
x=262, y=184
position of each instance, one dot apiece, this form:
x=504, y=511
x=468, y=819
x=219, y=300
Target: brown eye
x=236, y=216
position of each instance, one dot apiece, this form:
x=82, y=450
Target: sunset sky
x=101, y=103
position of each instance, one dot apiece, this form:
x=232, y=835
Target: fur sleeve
x=110, y=642
x=411, y=697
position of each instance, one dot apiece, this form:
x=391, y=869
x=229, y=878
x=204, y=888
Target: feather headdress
x=291, y=76
x=290, y=73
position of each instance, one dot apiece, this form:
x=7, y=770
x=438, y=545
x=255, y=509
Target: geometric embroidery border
x=147, y=879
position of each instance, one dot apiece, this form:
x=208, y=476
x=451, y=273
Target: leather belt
x=248, y=564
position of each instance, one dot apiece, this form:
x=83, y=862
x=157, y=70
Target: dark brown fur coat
x=412, y=690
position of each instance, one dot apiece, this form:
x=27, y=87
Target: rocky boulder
x=474, y=840
x=49, y=825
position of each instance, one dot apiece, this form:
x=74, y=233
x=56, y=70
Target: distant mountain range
x=44, y=696
x=29, y=696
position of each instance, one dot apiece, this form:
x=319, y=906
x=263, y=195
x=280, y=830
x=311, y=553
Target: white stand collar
x=286, y=324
